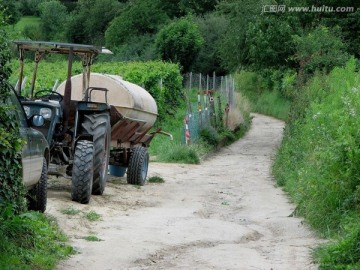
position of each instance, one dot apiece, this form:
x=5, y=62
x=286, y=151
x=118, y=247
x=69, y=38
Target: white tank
x=131, y=100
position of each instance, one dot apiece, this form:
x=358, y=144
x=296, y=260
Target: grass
x=92, y=238
x=263, y=101
x=273, y=104
x=31, y=241
x=70, y=211
x=92, y=216
x=156, y=179
x=26, y=21
x=17, y=31
x=318, y=163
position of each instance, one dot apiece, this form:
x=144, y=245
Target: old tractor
x=85, y=132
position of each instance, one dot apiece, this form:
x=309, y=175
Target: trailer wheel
x=98, y=125
x=82, y=172
x=138, y=166
x=37, y=196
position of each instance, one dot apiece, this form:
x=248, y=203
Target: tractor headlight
x=46, y=113
x=27, y=111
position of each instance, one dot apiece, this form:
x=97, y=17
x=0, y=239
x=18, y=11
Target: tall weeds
x=318, y=162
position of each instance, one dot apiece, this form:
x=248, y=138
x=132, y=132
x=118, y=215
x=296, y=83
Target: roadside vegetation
x=31, y=240
x=319, y=159
x=301, y=67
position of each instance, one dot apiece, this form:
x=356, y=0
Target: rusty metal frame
x=41, y=48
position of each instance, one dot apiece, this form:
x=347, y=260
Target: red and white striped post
x=187, y=131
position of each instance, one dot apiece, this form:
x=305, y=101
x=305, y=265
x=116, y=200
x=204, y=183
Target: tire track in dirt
x=224, y=214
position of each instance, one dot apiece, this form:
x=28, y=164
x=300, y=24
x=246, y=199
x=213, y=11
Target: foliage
x=136, y=48
x=269, y=42
x=90, y=19
x=212, y=28
x=318, y=161
x=11, y=11
x=239, y=13
x=53, y=16
x=30, y=241
x=30, y=7
x=320, y=49
x=210, y=136
x=262, y=100
x=138, y=18
x=344, y=253
x=11, y=187
x=180, y=42
x=350, y=28
x=197, y=7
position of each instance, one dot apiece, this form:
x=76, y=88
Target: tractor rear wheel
x=138, y=166
x=98, y=125
x=82, y=172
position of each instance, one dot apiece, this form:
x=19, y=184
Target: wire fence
x=215, y=98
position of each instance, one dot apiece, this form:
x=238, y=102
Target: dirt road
x=224, y=214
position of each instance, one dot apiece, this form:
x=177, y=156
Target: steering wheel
x=49, y=95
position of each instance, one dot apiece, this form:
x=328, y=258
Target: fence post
x=189, y=96
x=212, y=109
x=214, y=78
x=222, y=85
x=221, y=123
x=227, y=109
x=199, y=102
x=187, y=131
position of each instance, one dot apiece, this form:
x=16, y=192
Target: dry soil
x=226, y=213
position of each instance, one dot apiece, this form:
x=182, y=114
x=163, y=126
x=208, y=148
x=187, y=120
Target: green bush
x=180, y=42
x=12, y=190
x=319, y=49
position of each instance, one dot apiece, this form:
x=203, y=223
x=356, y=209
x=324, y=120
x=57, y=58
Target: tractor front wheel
x=98, y=125
x=82, y=172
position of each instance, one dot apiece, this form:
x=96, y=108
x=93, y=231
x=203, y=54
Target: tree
x=269, y=43
x=11, y=11
x=138, y=18
x=212, y=27
x=30, y=7
x=53, y=16
x=197, y=7
x=90, y=19
x=179, y=8
x=319, y=49
x=350, y=28
x=239, y=13
x=180, y=42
